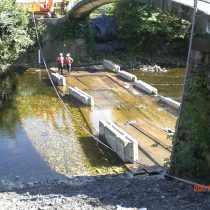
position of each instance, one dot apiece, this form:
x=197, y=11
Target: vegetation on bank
x=14, y=31
x=149, y=30
x=146, y=31
x=191, y=158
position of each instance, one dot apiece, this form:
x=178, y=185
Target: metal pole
x=39, y=57
x=188, y=63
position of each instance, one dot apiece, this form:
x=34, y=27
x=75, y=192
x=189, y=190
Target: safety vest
x=60, y=60
x=68, y=60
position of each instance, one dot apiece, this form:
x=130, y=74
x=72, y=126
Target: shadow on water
x=22, y=112
x=38, y=140
x=18, y=157
x=97, y=154
x=100, y=159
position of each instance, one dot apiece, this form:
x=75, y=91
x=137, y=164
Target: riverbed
x=39, y=140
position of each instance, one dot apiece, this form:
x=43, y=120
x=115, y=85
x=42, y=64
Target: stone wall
x=54, y=42
x=76, y=47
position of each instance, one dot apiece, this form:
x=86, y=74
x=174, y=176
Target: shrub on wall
x=191, y=157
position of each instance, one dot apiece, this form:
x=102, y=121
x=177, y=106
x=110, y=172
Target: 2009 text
x=201, y=188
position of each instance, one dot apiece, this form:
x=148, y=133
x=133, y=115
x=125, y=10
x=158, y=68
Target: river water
x=38, y=140
x=169, y=84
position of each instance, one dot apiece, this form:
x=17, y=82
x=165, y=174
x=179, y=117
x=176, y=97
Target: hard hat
x=61, y=54
x=68, y=54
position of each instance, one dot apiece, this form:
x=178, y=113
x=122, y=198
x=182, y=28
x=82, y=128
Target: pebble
x=99, y=195
x=31, y=184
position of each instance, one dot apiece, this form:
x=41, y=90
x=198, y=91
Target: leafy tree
x=146, y=28
x=14, y=35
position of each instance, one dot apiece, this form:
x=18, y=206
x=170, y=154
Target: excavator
x=43, y=8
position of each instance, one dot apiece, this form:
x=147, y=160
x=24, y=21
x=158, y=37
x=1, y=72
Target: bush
x=146, y=28
x=14, y=32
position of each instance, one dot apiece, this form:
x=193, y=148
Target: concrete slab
x=156, y=155
x=121, y=142
x=81, y=96
x=115, y=101
x=153, y=132
x=146, y=87
x=127, y=76
x=170, y=102
x=111, y=66
x=59, y=79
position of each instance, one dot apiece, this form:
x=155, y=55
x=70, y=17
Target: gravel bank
x=110, y=192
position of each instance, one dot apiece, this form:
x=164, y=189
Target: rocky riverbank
x=111, y=192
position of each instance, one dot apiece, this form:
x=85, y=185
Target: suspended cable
x=79, y=124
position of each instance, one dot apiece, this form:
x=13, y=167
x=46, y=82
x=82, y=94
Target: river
x=38, y=140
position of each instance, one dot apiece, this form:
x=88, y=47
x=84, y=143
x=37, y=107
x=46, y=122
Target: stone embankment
x=122, y=192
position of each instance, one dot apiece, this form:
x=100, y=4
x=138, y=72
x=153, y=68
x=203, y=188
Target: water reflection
x=17, y=155
x=38, y=140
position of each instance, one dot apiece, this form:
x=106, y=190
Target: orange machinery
x=42, y=7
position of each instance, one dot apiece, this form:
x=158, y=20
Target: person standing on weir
x=69, y=60
x=60, y=60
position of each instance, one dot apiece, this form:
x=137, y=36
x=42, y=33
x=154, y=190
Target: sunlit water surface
x=39, y=140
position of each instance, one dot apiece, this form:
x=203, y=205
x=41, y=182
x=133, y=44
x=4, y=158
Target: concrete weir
x=127, y=76
x=111, y=66
x=81, y=96
x=123, y=144
x=146, y=87
x=59, y=79
x=170, y=102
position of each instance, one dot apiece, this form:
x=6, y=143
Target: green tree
x=146, y=28
x=14, y=32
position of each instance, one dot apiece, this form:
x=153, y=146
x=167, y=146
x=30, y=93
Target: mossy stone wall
x=191, y=151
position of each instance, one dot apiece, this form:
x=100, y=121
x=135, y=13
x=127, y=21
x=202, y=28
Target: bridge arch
x=181, y=8
x=83, y=8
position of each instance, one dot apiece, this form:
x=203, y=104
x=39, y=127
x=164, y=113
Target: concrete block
x=131, y=150
x=111, y=137
x=102, y=125
x=127, y=76
x=81, y=96
x=59, y=79
x=123, y=144
x=170, y=102
x=111, y=66
x=146, y=87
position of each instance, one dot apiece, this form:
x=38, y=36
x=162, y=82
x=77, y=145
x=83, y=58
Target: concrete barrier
x=126, y=75
x=111, y=66
x=81, y=96
x=59, y=79
x=170, y=102
x=123, y=144
x=146, y=87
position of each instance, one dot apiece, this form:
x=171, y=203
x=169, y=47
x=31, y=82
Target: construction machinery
x=42, y=8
